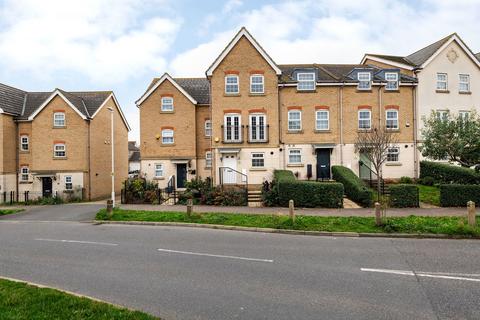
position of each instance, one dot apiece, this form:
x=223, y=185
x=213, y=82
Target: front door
x=47, y=187
x=365, y=167
x=323, y=164
x=181, y=175
x=229, y=168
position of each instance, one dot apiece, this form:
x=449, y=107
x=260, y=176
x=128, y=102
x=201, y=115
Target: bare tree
x=374, y=144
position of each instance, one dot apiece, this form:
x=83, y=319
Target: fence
x=11, y=197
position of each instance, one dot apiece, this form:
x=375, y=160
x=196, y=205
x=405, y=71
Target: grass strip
x=429, y=194
x=4, y=212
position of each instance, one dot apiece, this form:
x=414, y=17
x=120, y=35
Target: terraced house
x=250, y=116
x=60, y=143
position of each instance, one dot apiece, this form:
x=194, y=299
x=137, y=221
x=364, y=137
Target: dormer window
x=364, y=81
x=306, y=81
x=392, y=81
x=167, y=104
x=231, y=84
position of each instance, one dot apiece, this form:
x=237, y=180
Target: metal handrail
x=220, y=169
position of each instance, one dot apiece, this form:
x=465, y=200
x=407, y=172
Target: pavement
x=188, y=273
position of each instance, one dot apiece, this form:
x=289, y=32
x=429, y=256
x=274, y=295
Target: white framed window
x=25, y=171
x=59, y=119
x=464, y=115
x=167, y=136
x=392, y=154
x=294, y=120
x=294, y=156
x=442, y=81
x=391, y=119
x=208, y=159
x=257, y=83
x=464, y=82
x=232, y=128
x=364, y=119
x=158, y=170
x=231, y=84
x=392, y=81
x=306, y=81
x=167, y=104
x=24, y=143
x=258, y=159
x=322, y=121
x=68, y=183
x=442, y=114
x=364, y=80
x=208, y=128
x=258, y=128
x=59, y=150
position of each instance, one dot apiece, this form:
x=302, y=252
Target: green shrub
x=457, y=195
x=284, y=175
x=446, y=173
x=404, y=196
x=355, y=188
x=310, y=194
x=427, y=181
x=406, y=180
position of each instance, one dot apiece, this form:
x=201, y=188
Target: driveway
x=67, y=212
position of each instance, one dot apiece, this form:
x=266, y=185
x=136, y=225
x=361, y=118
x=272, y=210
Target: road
x=187, y=273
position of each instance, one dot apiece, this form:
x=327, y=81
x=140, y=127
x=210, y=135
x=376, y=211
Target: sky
x=121, y=45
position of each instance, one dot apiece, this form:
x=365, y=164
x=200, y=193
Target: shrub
x=283, y=175
x=406, y=180
x=355, y=188
x=270, y=194
x=457, y=195
x=404, y=196
x=427, y=181
x=446, y=173
x=310, y=194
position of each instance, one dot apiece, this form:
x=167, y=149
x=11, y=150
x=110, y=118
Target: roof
x=11, y=99
x=477, y=55
x=397, y=59
x=135, y=156
x=421, y=56
x=132, y=146
x=198, y=88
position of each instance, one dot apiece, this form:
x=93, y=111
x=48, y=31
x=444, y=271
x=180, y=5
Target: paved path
x=66, y=212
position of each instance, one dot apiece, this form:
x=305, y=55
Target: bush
x=427, y=181
x=446, y=173
x=310, y=194
x=270, y=194
x=404, y=196
x=406, y=180
x=457, y=195
x=355, y=188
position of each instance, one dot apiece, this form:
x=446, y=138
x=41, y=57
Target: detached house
x=60, y=143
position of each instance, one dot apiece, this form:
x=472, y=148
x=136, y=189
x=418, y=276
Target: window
x=364, y=81
x=294, y=120
x=322, y=120
x=68, y=183
x=294, y=156
x=258, y=160
x=59, y=119
x=442, y=81
x=464, y=115
x=24, y=143
x=392, y=154
x=167, y=136
x=442, y=115
x=258, y=128
x=231, y=84
x=306, y=81
x=464, y=83
x=364, y=119
x=392, y=81
x=167, y=104
x=208, y=159
x=24, y=175
x=232, y=127
x=208, y=128
x=392, y=119
x=59, y=150
x=256, y=83
x=158, y=170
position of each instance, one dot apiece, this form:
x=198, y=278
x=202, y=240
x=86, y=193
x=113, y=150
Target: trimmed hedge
x=404, y=196
x=457, y=195
x=355, y=188
x=446, y=173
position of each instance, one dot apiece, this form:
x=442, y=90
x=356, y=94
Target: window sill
x=59, y=127
x=158, y=178
x=322, y=131
x=306, y=91
x=257, y=94
x=60, y=158
x=364, y=130
x=208, y=137
x=393, y=164
x=293, y=165
x=231, y=94
x=442, y=91
x=258, y=169
x=25, y=182
x=24, y=151
x=167, y=145
x=464, y=92
x=207, y=168
x=294, y=131
x=392, y=130
x=167, y=112
x=392, y=91
x=364, y=90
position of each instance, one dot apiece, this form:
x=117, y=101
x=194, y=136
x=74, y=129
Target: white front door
x=229, y=163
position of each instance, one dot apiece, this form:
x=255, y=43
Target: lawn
x=429, y=194
x=4, y=212
x=22, y=301
x=411, y=224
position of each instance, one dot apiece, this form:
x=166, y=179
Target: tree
x=374, y=144
x=455, y=138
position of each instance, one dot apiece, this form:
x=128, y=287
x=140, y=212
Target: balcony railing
x=258, y=133
x=235, y=134
x=254, y=134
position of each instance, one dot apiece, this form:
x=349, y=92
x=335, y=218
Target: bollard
x=378, y=214
x=109, y=208
x=471, y=214
x=189, y=207
x=291, y=210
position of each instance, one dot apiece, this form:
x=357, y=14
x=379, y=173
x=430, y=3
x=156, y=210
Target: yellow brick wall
x=203, y=143
x=8, y=143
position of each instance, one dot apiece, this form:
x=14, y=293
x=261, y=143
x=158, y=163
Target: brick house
x=59, y=143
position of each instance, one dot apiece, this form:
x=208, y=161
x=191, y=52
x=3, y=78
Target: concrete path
x=64, y=212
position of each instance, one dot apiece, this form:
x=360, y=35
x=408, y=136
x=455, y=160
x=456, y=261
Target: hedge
x=446, y=173
x=457, y=195
x=355, y=188
x=404, y=196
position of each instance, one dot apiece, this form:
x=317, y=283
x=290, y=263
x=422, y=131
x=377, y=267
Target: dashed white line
x=439, y=275
x=214, y=255
x=78, y=241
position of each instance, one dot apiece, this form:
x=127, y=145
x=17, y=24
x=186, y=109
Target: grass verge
x=22, y=301
x=429, y=194
x=411, y=224
x=4, y=212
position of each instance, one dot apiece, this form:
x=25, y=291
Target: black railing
x=11, y=197
x=229, y=134
x=234, y=176
x=258, y=133
x=150, y=196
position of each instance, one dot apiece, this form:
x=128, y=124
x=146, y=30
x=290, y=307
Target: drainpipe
x=17, y=157
x=340, y=97
x=380, y=106
x=280, y=136
x=89, y=154
x=415, y=151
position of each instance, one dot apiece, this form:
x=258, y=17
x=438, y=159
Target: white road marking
x=77, y=241
x=214, y=255
x=439, y=275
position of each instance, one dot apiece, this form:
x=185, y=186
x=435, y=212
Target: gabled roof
x=157, y=82
x=243, y=33
x=419, y=57
x=198, y=88
x=11, y=99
